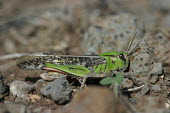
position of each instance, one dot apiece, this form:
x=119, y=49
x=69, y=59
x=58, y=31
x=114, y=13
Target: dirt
x=78, y=27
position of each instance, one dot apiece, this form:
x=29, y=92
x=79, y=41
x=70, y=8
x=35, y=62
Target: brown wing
x=37, y=61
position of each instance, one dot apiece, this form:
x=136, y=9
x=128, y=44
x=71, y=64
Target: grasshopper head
x=120, y=61
x=116, y=60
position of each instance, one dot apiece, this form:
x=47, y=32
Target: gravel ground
x=78, y=27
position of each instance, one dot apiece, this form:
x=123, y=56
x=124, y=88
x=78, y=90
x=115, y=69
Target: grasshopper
x=79, y=66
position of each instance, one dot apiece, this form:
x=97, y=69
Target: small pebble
x=144, y=90
x=20, y=89
x=127, y=83
x=59, y=90
x=156, y=88
x=154, y=79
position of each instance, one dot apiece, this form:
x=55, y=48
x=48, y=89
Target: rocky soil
x=85, y=27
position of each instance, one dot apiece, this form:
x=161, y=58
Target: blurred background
x=61, y=26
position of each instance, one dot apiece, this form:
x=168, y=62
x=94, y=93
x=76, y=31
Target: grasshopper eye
x=122, y=57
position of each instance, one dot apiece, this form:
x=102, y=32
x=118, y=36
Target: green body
x=76, y=65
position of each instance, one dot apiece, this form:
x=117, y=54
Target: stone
x=59, y=90
x=20, y=89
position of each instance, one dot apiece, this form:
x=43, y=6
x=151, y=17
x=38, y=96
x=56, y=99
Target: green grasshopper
x=80, y=66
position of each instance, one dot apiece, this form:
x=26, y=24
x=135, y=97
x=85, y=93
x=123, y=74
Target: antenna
x=131, y=41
